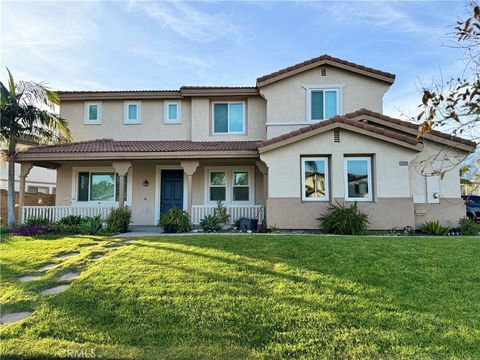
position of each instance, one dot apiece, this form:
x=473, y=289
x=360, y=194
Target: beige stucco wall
x=196, y=121
x=152, y=126
x=389, y=178
x=384, y=213
x=448, y=212
x=286, y=99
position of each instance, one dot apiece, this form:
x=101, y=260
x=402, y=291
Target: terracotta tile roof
x=345, y=120
x=321, y=58
x=366, y=112
x=355, y=119
x=109, y=145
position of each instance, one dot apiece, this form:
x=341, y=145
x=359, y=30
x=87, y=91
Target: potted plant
x=175, y=221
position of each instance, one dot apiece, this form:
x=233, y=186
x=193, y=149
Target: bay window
x=358, y=179
x=315, y=179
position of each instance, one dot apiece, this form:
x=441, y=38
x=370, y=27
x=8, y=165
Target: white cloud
x=193, y=24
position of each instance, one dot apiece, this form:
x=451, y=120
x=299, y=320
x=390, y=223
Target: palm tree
x=27, y=110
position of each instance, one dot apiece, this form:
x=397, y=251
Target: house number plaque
x=403, y=163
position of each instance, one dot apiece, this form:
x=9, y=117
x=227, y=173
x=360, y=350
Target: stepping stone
x=55, y=290
x=98, y=256
x=69, y=255
x=14, y=317
x=130, y=241
x=47, y=267
x=87, y=245
x=29, y=278
x=69, y=276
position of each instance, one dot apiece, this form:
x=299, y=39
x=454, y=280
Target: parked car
x=472, y=203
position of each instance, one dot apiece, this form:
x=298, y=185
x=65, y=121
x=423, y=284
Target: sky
x=130, y=45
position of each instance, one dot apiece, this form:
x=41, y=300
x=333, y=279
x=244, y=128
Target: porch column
x=121, y=168
x=189, y=167
x=24, y=170
x=264, y=170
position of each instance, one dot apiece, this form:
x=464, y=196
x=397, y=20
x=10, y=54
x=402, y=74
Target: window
x=230, y=184
x=229, y=118
x=315, y=179
x=241, y=189
x=218, y=186
x=93, y=113
x=323, y=101
x=99, y=186
x=358, y=179
x=37, y=189
x=132, y=113
x=172, y=113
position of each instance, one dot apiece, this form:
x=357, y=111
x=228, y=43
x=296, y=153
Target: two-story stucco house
x=286, y=148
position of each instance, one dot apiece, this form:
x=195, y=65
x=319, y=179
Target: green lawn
x=234, y=297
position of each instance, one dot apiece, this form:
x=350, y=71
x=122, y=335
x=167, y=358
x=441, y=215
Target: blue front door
x=171, y=190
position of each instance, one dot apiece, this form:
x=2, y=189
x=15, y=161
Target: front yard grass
x=234, y=297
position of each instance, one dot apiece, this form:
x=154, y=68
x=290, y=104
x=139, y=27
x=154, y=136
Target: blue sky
x=164, y=45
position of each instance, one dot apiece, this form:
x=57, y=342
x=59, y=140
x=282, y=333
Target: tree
x=27, y=110
x=456, y=104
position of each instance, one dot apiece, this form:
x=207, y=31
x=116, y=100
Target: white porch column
x=24, y=171
x=189, y=167
x=264, y=170
x=121, y=168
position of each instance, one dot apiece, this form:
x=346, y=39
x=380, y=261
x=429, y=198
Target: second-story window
x=229, y=118
x=173, y=113
x=93, y=113
x=132, y=113
x=323, y=101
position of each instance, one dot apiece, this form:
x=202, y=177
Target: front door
x=171, y=190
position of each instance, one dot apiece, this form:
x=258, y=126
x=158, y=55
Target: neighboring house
x=296, y=142
x=40, y=180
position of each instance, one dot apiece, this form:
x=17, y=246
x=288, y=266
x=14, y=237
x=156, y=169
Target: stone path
x=17, y=316
x=28, y=278
x=47, y=267
x=130, y=241
x=55, y=290
x=14, y=317
x=69, y=255
x=69, y=276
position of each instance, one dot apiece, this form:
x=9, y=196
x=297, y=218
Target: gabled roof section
x=373, y=124
x=325, y=60
x=341, y=122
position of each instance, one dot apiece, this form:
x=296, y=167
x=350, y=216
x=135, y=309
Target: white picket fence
x=55, y=213
x=236, y=212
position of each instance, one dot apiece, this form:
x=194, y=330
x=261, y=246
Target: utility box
x=247, y=224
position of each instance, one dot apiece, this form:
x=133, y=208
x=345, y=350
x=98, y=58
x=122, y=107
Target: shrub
x=70, y=220
x=4, y=229
x=468, y=226
x=119, y=220
x=69, y=229
x=221, y=213
x=343, y=220
x=33, y=221
x=210, y=223
x=434, y=228
x=91, y=225
x=33, y=230
x=177, y=218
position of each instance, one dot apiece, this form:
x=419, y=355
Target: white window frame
x=240, y=186
x=98, y=169
x=229, y=132
x=369, y=174
x=178, y=120
x=126, y=120
x=86, y=119
x=219, y=186
x=338, y=88
x=229, y=170
x=327, y=174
